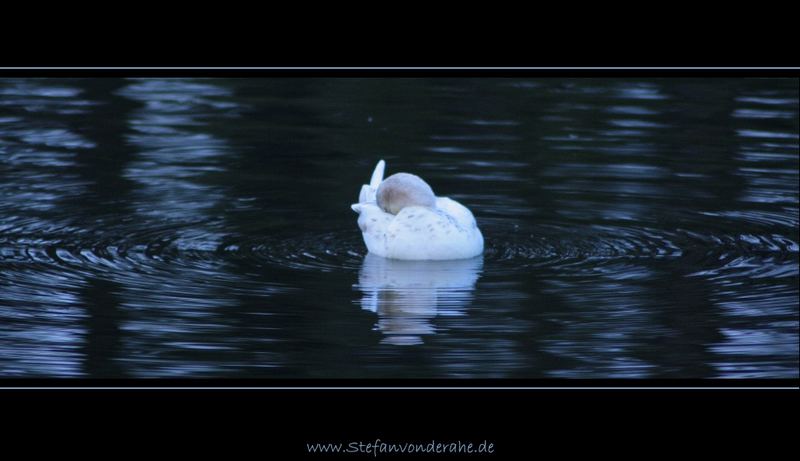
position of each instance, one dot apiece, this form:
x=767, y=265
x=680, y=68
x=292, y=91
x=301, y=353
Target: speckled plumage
x=409, y=222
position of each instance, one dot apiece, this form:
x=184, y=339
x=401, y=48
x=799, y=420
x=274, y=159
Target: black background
x=523, y=424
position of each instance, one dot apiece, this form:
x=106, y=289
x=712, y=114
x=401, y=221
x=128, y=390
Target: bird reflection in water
x=407, y=295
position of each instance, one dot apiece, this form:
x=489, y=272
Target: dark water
x=202, y=228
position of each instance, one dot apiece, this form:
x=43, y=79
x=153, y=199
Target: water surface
x=202, y=228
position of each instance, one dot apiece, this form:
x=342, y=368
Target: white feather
x=446, y=231
x=368, y=191
x=377, y=175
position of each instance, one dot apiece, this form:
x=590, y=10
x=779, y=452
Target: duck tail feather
x=368, y=191
x=367, y=194
x=377, y=175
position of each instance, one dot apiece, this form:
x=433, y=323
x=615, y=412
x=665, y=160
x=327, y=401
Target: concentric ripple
x=323, y=251
x=160, y=250
x=584, y=248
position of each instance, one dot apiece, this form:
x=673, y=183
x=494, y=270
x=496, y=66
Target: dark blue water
x=202, y=228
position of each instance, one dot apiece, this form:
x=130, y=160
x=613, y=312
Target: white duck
x=401, y=218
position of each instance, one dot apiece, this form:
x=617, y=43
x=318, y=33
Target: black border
x=401, y=72
x=523, y=425
x=407, y=383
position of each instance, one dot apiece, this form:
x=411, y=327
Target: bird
x=401, y=218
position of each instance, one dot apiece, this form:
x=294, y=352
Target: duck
x=401, y=218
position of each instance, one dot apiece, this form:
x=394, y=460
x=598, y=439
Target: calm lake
x=201, y=228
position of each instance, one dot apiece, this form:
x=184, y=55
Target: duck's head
x=404, y=189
